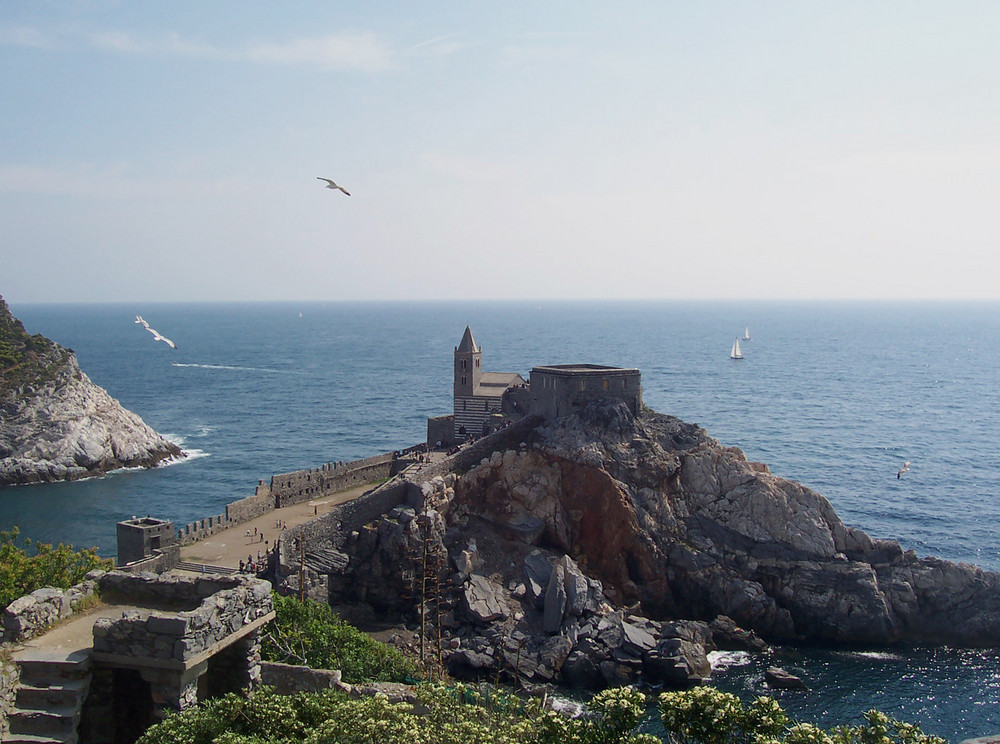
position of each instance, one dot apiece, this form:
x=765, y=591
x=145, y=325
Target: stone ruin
x=161, y=643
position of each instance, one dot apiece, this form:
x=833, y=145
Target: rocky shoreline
x=56, y=424
x=605, y=548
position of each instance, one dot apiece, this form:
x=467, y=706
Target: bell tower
x=468, y=366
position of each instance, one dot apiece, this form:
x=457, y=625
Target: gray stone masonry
x=32, y=614
x=198, y=617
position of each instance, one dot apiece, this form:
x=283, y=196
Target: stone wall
x=32, y=614
x=195, y=531
x=251, y=507
x=441, y=429
x=330, y=529
x=304, y=485
x=161, y=560
x=472, y=454
x=209, y=610
x=287, y=679
x=9, y=680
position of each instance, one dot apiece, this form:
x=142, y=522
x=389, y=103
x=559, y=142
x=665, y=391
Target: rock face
x=656, y=545
x=55, y=424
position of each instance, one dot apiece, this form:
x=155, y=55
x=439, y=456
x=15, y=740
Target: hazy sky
x=164, y=151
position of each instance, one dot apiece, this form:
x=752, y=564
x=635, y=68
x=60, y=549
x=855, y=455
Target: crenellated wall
x=286, y=489
x=304, y=485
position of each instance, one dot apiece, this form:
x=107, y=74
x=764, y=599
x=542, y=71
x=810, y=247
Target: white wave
x=722, y=660
x=873, y=655
x=231, y=367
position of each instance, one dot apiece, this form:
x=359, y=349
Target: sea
x=834, y=395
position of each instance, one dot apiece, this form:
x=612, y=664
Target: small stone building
x=147, y=544
x=139, y=538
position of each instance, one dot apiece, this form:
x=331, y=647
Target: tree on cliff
x=24, y=358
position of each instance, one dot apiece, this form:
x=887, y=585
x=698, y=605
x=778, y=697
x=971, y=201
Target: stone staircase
x=50, y=697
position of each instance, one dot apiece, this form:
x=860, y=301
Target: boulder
x=779, y=679
x=555, y=600
x=483, y=601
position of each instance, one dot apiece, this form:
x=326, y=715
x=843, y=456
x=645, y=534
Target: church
x=480, y=396
x=487, y=401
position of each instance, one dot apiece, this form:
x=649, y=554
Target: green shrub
x=22, y=570
x=456, y=715
x=704, y=715
x=463, y=714
x=311, y=634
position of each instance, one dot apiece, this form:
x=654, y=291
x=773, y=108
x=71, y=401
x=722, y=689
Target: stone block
x=174, y=626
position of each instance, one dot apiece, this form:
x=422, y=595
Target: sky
x=779, y=149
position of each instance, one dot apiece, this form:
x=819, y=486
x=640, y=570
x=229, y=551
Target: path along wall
x=300, y=486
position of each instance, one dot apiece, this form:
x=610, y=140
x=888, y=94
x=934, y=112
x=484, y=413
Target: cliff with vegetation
x=55, y=424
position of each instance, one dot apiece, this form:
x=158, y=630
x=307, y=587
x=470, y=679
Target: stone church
x=486, y=401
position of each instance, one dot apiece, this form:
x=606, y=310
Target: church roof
x=468, y=342
x=493, y=384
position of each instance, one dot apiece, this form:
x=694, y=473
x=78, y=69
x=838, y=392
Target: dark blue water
x=834, y=395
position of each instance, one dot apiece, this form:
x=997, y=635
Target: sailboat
x=746, y=333
x=736, y=352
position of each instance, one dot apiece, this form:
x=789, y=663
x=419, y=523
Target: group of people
x=259, y=565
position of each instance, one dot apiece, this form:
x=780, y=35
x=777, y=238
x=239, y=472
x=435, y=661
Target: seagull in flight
x=905, y=468
x=156, y=334
x=332, y=185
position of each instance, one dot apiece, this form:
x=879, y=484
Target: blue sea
x=836, y=396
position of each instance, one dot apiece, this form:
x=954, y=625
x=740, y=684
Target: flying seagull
x=332, y=185
x=905, y=468
x=156, y=333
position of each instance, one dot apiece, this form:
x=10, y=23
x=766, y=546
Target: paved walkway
x=230, y=546
x=70, y=636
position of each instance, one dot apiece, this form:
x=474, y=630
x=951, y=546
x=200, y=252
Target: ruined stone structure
x=154, y=644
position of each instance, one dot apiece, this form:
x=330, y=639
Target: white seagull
x=905, y=468
x=332, y=185
x=156, y=334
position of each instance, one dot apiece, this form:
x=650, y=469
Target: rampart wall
x=304, y=485
x=299, y=486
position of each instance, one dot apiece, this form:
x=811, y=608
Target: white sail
x=736, y=352
x=746, y=333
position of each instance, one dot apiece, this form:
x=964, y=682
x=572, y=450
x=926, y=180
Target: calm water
x=836, y=396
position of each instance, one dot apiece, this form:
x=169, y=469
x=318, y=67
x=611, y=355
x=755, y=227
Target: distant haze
x=162, y=151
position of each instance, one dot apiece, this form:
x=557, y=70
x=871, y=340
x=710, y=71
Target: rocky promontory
x=600, y=547
x=55, y=424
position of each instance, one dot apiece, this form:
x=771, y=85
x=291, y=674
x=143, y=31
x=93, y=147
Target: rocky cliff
x=55, y=424
x=604, y=545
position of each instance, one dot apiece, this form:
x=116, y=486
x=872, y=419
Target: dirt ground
x=228, y=547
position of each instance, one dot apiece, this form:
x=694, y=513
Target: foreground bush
x=467, y=715
x=311, y=634
x=704, y=715
x=22, y=570
x=459, y=715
